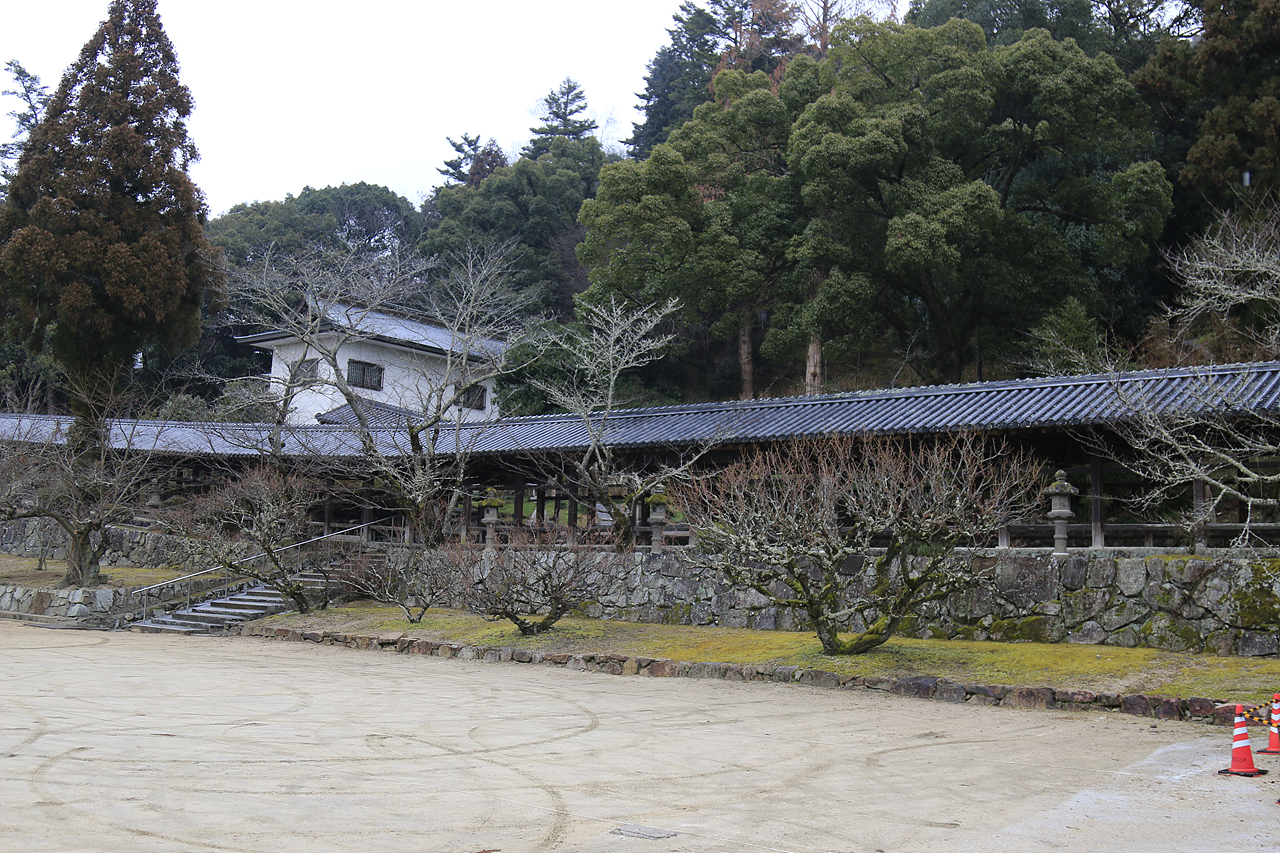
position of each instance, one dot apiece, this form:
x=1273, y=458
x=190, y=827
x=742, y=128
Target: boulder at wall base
x=1089, y=634
x=1255, y=643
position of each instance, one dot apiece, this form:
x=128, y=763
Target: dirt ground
x=126, y=742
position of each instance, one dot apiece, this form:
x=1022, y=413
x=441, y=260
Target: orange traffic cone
x=1273, y=742
x=1241, y=754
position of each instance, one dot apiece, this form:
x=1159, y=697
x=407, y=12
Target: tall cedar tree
x=102, y=246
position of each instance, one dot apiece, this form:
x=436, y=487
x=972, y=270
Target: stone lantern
x=657, y=501
x=1060, y=494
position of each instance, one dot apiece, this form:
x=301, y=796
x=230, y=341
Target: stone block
x=77, y=610
x=1253, y=643
x=523, y=656
x=576, y=662
x=661, y=669
x=1137, y=704
x=992, y=691
x=1131, y=575
x=1090, y=633
x=1122, y=612
x=945, y=691
x=785, y=674
x=979, y=699
x=1083, y=605
x=1078, y=697
x=916, y=686
x=819, y=678
x=446, y=650
x=1074, y=572
x=877, y=683
x=1168, y=709
x=1029, y=698
x=1026, y=581
x=1166, y=631
x=312, y=636
x=1224, y=715
x=557, y=659
x=1198, y=706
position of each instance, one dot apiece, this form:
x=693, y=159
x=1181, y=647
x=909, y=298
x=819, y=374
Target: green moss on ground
x=1098, y=668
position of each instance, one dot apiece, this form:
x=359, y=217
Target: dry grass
x=1099, y=668
x=26, y=571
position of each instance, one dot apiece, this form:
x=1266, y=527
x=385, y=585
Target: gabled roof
x=389, y=329
x=376, y=413
x=1007, y=405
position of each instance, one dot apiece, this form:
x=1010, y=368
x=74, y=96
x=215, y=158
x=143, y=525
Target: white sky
x=290, y=94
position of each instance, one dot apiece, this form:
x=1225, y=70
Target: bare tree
x=796, y=522
x=330, y=302
x=540, y=574
x=1212, y=433
x=610, y=340
x=85, y=475
x=250, y=525
x=414, y=581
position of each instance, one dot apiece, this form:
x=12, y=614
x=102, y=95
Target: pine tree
x=561, y=111
x=102, y=246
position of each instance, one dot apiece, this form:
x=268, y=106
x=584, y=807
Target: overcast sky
x=290, y=94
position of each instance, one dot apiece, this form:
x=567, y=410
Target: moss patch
x=1257, y=606
x=1109, y=669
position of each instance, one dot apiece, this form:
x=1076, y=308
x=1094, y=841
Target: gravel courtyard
x=129, y=742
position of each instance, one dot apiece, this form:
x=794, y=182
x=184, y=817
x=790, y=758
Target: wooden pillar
x=573, y=510
x=518, y=494
x=540, y=502
x=1095, y=502
x=465, y=533
x=328, y=511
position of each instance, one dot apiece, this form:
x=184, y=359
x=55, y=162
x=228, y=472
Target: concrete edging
x=1194, y=709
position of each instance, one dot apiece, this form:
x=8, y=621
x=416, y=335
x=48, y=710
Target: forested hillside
x=840, y=200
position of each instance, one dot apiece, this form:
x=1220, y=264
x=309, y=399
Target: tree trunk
x=813, y=366
x=746, y=363
x=82, y=559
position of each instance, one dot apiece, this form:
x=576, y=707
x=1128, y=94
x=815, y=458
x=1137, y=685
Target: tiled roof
x=378, y=414
x=392, y=329
x=1006, y=405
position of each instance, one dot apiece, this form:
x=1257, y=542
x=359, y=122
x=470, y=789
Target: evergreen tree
x=34, y=96
x=679, y=78
x=561, y=116
x=102, y=247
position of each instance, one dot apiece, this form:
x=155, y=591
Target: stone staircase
x=216, y=614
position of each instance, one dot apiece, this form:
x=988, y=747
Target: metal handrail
x=256, y=556
x=142, y=592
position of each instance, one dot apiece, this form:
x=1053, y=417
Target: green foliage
x=916, y=182
x=358, y=217
x=562, y=110
x=1220, y=97
x=34, y=96
x=102, y=248
x=535, y=202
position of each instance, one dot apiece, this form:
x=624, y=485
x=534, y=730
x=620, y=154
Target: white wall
x=411, y=380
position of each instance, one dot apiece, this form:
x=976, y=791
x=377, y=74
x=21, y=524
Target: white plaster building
x=398, y=367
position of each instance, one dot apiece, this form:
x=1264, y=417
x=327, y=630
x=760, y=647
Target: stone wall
x=129, y=546
x=1226, y=602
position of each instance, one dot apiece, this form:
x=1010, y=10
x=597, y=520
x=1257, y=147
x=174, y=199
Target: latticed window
x=362, y=374
x=474, y=398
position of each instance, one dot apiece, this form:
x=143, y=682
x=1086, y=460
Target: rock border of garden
x=1194, y=709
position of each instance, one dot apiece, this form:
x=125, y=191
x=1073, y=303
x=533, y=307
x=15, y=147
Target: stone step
x=171, y=624
x=215, y=616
